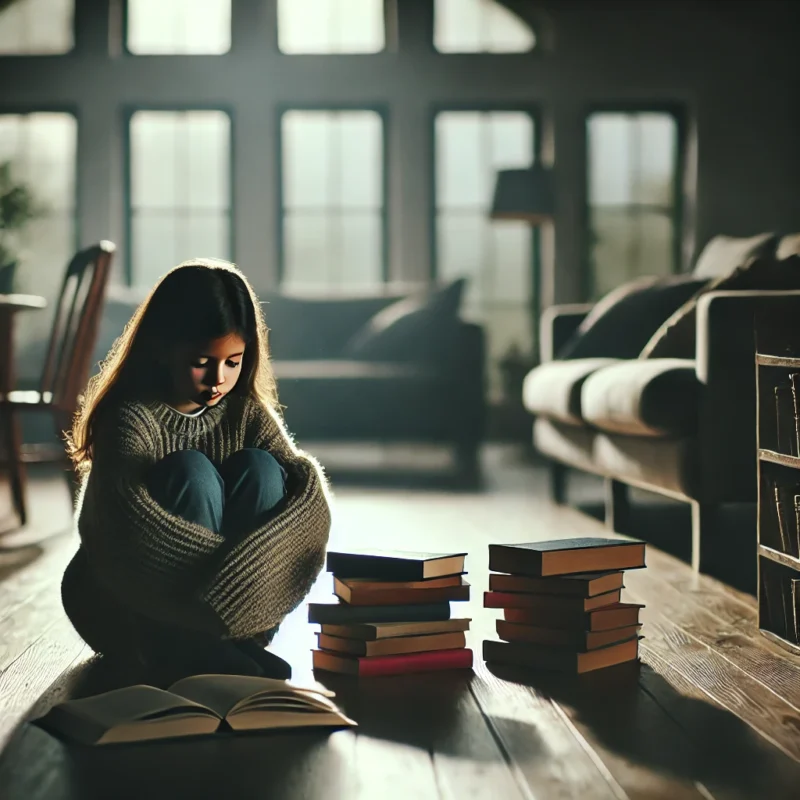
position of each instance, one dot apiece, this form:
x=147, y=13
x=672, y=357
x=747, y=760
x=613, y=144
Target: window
x=633, y=196
x=180, y=190
x=331, y=26
x=37, y=27
x=334, y=225
x=496, y=257
x=42, y=151
x=179, y=27
x=479, y=26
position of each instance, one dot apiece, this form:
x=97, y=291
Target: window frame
x=679, y=114
x=24, y=109
x=534, y=111
x=128, y=53
x=382, y=109
x=128, y=113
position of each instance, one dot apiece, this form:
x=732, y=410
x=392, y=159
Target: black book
x=345, y=614
x=395, y=565
x=567, y=556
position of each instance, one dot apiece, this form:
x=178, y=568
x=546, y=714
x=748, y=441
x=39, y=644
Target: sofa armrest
x=725, y=363
x=557, y=324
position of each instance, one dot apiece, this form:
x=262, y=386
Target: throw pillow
x=723, y=254
x=421, y=327
x=625, y=319
x=676, y=337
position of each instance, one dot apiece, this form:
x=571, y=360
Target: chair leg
x=12, y=433
x=703, y=519
x=618, y=506
x=558, y=483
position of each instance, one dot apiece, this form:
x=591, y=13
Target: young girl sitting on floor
x=202, y=525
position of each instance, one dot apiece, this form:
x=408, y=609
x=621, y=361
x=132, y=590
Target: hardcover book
x=600, y=619
x=548, y=658
x=394, y=646
x=393, y=665
x=343, y=613
x=567, y=556
x=394, y=565
x=350, y=592
x=563, y=637
x=547, y=602
x=373, y=631
x=194, y=706
x=587, y=584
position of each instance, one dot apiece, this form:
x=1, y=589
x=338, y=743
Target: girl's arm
x=269, y=572
x=153, y=561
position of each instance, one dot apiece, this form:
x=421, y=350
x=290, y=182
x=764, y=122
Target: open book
x=200, y=704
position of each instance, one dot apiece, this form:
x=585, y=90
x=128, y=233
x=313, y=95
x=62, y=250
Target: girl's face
x=205, y=374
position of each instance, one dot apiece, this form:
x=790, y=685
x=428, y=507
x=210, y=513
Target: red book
x=366, y=666
x=554, y=602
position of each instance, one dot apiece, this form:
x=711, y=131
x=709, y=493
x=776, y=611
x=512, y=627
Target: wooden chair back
x=75, y=327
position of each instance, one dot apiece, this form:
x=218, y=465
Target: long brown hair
x=197, y=301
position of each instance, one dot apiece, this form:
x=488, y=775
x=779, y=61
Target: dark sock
x=273, y=666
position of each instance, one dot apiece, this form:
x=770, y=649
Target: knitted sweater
x=179, y=572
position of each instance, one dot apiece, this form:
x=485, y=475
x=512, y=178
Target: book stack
x=562, y=604
x=392, y=614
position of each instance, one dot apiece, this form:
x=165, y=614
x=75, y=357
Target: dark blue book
x=342, y=613
x=395, y=565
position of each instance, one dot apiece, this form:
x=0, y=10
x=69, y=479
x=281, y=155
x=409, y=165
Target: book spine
x=794, y=379
x=784, y=420
x=415, y=662
x=782, y=532
x=370, y=597
x=797, y=525
x=342, y=614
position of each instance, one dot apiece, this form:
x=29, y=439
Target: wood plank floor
x=713, y=710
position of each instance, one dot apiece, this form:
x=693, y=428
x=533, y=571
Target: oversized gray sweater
x=181, y=573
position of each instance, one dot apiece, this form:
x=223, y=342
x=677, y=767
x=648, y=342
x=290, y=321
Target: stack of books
x=562, y=604
x=392, y=614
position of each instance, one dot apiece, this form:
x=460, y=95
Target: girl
x=202, y=525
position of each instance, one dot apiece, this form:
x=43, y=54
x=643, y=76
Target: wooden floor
x=712, y=711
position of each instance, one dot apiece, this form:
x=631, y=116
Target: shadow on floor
x=14, y=558
x=634, y=712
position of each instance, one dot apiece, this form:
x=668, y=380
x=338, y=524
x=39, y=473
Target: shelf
x=793, y=462
x=781, y=558
x=777, y=361
x=780, y=641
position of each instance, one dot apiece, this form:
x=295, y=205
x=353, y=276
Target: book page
x=223, y=693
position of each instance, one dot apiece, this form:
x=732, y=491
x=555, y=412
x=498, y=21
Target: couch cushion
x=723, y=254
x=676, y=337
x=621, y=324
x=567, y=444
x=657, y=398
x=788, y=246
x=554, y=389
x=341, y=369
x=422, y=327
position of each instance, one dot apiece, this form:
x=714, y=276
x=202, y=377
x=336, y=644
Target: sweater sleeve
x=267, y=573
x=153, y=561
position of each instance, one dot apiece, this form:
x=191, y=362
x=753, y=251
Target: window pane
x=496, y=257
x=332, y=199
x=479, y=26
x=179, y=27
x=37, y=27
x=180, y=189
x=632, y=176
x=331, y=26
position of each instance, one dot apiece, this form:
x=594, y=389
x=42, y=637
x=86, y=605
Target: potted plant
x=17, y=209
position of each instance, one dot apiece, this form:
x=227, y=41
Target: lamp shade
x=524, y=194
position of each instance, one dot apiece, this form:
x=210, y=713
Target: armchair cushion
x=417, y=328
x=553, y=389
x=621, y=324
x=676, y=338
x=657, y=398
x=723, y=254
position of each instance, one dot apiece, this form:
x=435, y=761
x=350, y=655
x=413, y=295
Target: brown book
x=600, y=619
x=531, y=655
x=566, y=556
x=587, y=584
x=373, y=631
x=390, y=647
x=555, y=637
x=549, y=601
x=359, y=596
x=369, y=583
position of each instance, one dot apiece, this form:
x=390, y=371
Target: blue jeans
x=231, y=500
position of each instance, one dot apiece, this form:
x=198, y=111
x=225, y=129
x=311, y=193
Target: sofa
x=389, y=368
x=653, y=387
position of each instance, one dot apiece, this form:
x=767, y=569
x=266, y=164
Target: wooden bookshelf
x=778, y=437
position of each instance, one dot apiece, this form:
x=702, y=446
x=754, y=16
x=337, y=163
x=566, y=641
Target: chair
x=66, y=368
